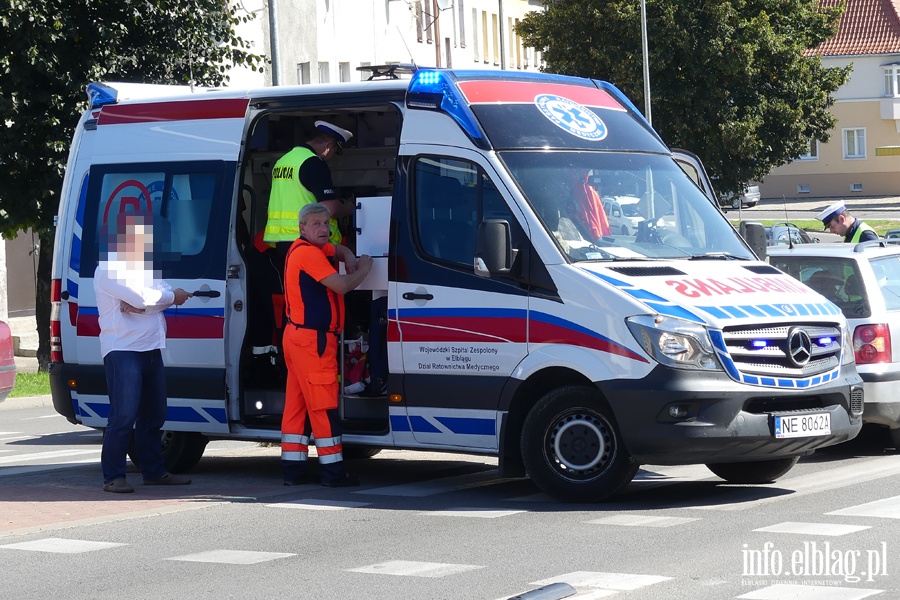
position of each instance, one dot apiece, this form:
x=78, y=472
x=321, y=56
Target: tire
x=181, y=450
x=895, y=437
x=572, y=448
x=358, y=452
x=760, y=471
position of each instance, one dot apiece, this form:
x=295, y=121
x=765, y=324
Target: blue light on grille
x=759, y=343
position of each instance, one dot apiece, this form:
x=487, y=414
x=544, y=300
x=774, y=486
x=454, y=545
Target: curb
x=26, y=402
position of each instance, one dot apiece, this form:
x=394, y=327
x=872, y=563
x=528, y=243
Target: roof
x=866, y=27
x=838, y=250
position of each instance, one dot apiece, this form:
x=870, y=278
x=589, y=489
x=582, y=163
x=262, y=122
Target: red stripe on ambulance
x=180, y=327
x=191, y=110
x=486, y=92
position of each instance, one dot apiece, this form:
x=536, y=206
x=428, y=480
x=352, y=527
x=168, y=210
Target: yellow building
x=862, y=158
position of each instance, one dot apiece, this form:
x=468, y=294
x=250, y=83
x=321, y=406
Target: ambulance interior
x=364, y=172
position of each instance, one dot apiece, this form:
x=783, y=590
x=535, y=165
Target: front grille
x=782, y=352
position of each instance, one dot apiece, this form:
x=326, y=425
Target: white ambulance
x=517, y=326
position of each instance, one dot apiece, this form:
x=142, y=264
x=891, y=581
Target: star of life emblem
x=571, y=117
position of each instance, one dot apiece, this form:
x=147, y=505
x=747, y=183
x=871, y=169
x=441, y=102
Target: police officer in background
x=837, y=219
x=302, y=177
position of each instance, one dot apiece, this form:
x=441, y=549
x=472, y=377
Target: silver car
x=863, y=280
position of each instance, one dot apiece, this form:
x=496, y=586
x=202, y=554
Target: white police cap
x=341, y=135
x=831, y=212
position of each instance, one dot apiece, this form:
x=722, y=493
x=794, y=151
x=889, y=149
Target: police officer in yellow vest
x=837, y=219
x=302, y=177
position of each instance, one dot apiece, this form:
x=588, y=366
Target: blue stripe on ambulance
x=661, y=305
x=75, y=252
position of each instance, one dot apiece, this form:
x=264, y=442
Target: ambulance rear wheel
x=181, y=450
x=572, y=448
x=759, y=471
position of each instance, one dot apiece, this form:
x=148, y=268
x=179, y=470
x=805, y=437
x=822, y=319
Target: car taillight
x=872, y=344
x=55, y=327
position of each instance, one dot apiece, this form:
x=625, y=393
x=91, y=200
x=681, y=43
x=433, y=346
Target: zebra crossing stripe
x=61, y=546
x=409, y=568
x=642, y=521
x=830, y=529
x=232, y=557
x=607, y=581
x=784, y=591
x=887, y=508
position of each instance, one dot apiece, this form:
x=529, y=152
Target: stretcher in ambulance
x=516, y=323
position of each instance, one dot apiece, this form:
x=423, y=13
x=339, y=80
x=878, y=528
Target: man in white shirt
x=130, y=301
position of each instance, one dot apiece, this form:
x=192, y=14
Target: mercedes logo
x=799, y=346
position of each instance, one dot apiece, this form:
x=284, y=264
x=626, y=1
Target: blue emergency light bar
x=101, y=95
x=432, y=89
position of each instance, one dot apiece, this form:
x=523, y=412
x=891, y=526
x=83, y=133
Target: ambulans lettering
x=283, y=172
x=571, y=117
x=695, y=288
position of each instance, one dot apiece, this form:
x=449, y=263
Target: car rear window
x=838, y=279
x=887, y=273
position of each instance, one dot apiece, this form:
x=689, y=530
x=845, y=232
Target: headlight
x=674, y=342
x=848, y=354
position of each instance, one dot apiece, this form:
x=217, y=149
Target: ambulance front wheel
x=181, y=450
x=572, y=448
x=754, y=472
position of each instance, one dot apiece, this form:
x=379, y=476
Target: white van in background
x=514, y=328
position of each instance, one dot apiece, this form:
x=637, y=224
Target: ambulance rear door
x=176, y=160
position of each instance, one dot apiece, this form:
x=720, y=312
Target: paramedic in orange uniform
x=315, y=317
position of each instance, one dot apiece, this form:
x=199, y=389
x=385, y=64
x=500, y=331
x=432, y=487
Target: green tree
x=731, y=80
x=50, y=50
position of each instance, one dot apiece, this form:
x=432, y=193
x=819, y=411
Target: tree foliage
x=51, y=49
x=729, y=79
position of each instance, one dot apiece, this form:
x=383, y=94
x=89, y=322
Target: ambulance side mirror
x=755, y=236
x=493, y=248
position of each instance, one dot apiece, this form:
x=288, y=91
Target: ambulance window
x=182, y=198
x=452, y=196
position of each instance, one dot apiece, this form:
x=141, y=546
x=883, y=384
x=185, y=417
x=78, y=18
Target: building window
x=303, y=73
x=803, y=188
x=475, y=13
x=854, y=142
x=812, y=152
x=485, y=52
x=462, y=24
x=419, y=22
x=344, y=71
x=891, y=80
x=364, y=75
x=323, y=73
x=495, y=24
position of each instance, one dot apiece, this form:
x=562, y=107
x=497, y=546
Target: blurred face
x=136, y=244
x=316, y=229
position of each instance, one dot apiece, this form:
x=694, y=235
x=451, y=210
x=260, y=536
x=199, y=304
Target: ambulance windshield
x=622, y=206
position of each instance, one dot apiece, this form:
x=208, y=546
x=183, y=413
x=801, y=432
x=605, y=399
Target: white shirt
x=116, y=282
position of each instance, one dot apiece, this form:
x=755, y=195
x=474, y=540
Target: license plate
x=803, y=425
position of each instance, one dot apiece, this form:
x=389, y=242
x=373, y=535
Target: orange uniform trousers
x=311, y=404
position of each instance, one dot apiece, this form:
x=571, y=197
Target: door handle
x=414, y=296
x=207, y=293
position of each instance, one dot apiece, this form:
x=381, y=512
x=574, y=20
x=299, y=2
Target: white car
x=747, y=199
x=622, y=213
x=863, y=280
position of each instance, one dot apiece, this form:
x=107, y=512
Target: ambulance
x=517, y=324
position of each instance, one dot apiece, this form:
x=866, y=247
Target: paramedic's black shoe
x=304, y=480
x=347, y=480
